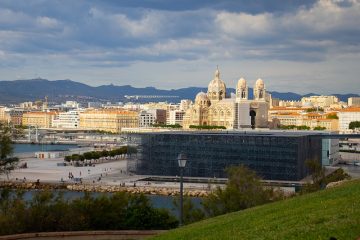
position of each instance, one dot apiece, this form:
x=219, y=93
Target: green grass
x=329, y=213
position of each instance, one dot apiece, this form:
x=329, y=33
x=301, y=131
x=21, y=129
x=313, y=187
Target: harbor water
x=28, y=148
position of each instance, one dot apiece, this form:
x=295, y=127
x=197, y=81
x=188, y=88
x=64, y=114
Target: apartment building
x=110, y=120
x=39, y=119
x=346, y=116
x=67, y=120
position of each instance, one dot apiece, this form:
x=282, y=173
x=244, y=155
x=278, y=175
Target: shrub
x=48, y=212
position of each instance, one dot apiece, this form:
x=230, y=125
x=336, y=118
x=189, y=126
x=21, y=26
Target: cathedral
x=216, y=108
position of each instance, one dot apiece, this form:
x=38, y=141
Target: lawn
x=329, y=213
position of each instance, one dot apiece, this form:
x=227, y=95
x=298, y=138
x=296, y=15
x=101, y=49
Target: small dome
x=241, y=83
x=259, y=83
x=201, y=97
x=308, y=104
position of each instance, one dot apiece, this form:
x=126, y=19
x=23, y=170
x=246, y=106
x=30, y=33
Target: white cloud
x=148, y=25
x=47, y=22
x=13, y=18
x=243, y=24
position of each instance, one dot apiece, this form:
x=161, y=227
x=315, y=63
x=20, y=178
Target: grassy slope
x=332, y=212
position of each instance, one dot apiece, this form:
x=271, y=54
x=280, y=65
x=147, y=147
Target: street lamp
x=182, y=162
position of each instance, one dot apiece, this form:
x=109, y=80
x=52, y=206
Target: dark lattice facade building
x=273, y=155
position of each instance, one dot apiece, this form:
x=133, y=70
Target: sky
x=297, y=46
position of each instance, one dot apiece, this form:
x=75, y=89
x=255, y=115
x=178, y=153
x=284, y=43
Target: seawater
x=27, y=148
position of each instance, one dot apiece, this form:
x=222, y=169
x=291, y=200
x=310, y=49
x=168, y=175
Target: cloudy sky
x=300, y=46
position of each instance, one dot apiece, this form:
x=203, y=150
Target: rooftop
x=351, y=109
x=259, y=133
x=282, y=133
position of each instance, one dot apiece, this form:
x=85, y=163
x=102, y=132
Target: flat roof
x=275, y=133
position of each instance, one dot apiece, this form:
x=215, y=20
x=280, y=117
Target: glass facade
x=274, y=156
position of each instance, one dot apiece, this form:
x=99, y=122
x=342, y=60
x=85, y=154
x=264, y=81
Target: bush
x=206, y=127
x=319, y=128
x=332, y=116
x=104, y=153
x=303, y=127
x=319, y=109
x=243, y=190
x=167, y=125
x=47, y=212
x=354, y=125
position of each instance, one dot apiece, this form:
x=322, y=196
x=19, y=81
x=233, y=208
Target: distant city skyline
x=296, y=46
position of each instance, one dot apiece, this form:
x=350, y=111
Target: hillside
x=62, y=90
x=332, y=212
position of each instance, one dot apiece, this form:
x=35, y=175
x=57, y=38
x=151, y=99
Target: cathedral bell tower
x=242, y=90
x=259, y=90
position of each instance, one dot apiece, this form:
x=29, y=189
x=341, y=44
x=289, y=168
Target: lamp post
x=182, y=162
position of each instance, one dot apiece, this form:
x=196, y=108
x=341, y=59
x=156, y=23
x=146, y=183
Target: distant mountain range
x=61, y=90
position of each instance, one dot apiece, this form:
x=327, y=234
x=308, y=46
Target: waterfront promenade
x=102, y=177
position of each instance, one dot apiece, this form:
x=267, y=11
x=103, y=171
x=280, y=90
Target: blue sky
x=299, y=46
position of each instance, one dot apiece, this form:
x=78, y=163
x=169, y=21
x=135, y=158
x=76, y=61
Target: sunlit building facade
x=38, y=119
x=109, y=120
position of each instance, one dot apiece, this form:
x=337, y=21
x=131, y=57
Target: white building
x=175, y=117
x=346, y=116
x=71, y=104
x=146, y=119
x=354, y=101
x=68, y=120
x=94, y=105
x=289, y=103
x=319, y=101
x=185, y=104
x=26, y=105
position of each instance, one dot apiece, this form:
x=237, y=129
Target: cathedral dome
x=217, y=88
x=259, y=83
x=241, y=83
x=202, y=99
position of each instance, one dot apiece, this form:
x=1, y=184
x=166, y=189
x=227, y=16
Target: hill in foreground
x=333, y=212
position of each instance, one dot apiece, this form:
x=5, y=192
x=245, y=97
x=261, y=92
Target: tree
x=243, y=190
x=317, y=176
x=354, y=125
x=332, y=116
x=318, y=128
x=7, y=162
x=318, y=109
x=48, y=212
x=191, y=212
x=67, y=158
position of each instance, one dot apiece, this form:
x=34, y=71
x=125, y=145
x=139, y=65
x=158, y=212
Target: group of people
x=71, y=176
